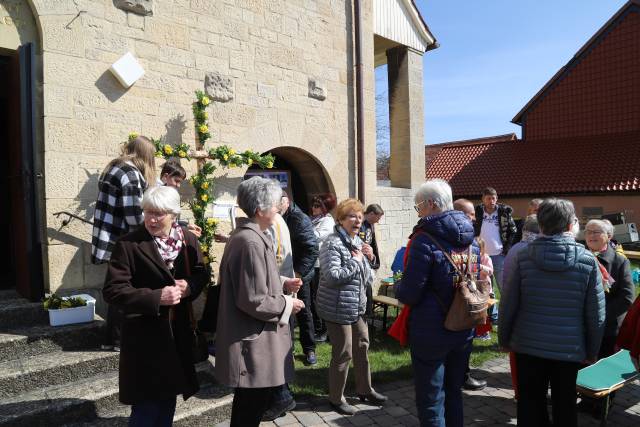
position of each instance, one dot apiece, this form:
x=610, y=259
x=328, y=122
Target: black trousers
x=535, y=374
x=318, y=323
x=304, y=319
x=249, y=404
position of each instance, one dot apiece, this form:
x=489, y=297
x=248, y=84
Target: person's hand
x=182, y=284
x=220, y=238
x=170, y=295
x=297, y=306
x=195, y=230
x=367, y=250
x=292, y=285
x=357, y=255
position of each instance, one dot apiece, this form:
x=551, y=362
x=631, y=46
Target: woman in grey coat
x=253, y=338
x=342, y=300
x=552, y=316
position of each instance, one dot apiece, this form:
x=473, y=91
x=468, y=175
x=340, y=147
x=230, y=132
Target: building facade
x=285, y=83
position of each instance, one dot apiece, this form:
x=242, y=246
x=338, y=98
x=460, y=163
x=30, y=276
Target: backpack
x=471, y=296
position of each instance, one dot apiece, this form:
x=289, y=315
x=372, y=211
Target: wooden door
x=23, y=178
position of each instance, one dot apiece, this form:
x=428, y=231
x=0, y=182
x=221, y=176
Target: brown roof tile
x=604, y=163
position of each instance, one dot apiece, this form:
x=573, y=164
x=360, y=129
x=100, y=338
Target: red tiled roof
x=431, y=150
x=592, y=164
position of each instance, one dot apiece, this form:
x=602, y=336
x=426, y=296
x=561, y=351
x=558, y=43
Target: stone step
x=21, y=313
x=60, y=367
x=30, y=341
x=211, y=405
x=6, y=294
x=92, y=400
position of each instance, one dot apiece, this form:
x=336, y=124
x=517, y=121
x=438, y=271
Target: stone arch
x=19, y=24
x=308, y=175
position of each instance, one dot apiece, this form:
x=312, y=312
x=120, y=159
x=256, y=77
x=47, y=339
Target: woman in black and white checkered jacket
x=119, y=205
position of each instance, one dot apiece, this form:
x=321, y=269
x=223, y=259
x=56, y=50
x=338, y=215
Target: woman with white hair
x=439, y=356
x=619, y=289
x=154, y=274
x=253, y=341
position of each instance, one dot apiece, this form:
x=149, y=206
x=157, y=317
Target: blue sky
x=494, y=56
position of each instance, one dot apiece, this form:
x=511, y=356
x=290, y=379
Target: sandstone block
x=62, y=35
x=65, y=267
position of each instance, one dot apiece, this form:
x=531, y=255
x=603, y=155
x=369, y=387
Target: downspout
x=359, y=100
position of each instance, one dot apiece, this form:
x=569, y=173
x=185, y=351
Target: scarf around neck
x=169, y=247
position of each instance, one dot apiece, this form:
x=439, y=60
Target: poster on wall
x=282, y=176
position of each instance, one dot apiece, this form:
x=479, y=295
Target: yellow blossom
x=204, y=248
x=212, y=221
x=133, y=135
x=168, y=149
x=204, y=197
x=205, y=259
x=182, y=153
x=205, y=101
x=203, y=129
x=269, y=165
x=232, y=152
x=204, y=185
x=250, y=162
x=205, y=115
x=225, y=157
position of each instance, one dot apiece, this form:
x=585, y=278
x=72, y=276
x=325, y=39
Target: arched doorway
x=305, y=174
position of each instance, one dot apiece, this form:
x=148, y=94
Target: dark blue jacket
x=428, y=272
x=553, y=303
x=304, y=243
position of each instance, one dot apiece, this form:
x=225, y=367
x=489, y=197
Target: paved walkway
x=493, y=406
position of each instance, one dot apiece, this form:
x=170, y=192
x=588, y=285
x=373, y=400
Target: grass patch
x=387, y=359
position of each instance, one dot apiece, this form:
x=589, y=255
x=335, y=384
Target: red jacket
x=629, y=335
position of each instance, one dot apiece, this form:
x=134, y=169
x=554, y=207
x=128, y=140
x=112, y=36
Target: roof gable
x=401, y=22
x=593, y=42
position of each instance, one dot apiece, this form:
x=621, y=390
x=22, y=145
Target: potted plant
x=69, y=310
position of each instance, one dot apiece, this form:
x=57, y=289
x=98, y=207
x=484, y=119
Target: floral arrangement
x=55, y=302
x=203, y=181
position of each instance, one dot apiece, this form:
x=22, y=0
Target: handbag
x=470, y=299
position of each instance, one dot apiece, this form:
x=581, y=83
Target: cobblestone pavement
x=493, y=406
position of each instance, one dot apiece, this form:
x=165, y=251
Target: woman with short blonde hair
x=341, y=302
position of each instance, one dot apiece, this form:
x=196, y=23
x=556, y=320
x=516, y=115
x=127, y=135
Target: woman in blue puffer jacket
x=552, y=316
x=439, y=356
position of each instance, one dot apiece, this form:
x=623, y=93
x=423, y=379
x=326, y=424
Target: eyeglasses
x=155, y=214
x=417, y=206
x=594, y=232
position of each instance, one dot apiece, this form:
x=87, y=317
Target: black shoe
x=374, y=397
x=473, y=384
x=310, y=358
x=344, y=408
x=279, y=411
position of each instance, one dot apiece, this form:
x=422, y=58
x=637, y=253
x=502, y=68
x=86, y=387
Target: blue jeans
x=498, y=267
x=153, y=413
x=439, y=371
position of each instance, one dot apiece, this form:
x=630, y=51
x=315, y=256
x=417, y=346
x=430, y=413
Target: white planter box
x=68, y=316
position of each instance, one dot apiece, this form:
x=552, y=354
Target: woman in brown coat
x=253, y=341
x=154, y=274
